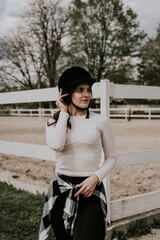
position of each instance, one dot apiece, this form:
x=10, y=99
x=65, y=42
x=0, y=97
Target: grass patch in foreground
x=20, y=214
x=141, y=227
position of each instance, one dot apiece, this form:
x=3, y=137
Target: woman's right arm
x=56, y=134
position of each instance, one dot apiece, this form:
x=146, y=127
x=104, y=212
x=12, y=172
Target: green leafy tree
x=149, y=68
x=103, y=34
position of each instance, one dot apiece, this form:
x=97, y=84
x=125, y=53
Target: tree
x=103, y=34
x=33, y=52
x=22, y=65
x=149, y=68
x=47, y=22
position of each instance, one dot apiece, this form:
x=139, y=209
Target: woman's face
x=82, y=95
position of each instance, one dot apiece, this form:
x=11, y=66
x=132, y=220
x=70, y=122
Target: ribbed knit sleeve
x=56, y=134
x=108, y=145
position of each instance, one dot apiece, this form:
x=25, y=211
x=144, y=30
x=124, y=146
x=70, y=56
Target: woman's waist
x=77, y=180
x=81, y=171
x=72, y=179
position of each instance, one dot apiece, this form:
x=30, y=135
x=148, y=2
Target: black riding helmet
x=70, y=79
x=73, y=77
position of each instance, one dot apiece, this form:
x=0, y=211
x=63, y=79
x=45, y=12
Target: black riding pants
x=89, y=223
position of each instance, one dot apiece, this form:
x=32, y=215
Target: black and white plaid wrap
x=56, y=188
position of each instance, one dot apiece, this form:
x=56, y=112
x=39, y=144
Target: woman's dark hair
x=55, y=118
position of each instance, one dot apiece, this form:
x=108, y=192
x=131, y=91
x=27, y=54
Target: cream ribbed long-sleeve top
x=78, y=150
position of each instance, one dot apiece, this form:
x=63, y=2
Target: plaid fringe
x=71, y=205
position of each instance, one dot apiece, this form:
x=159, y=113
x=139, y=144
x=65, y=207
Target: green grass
x=20, y=214
x=141, y=227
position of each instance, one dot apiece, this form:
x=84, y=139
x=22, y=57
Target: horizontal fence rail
x=134, y=91
x=27, y=150
x=38, y=95
x=134, y=205
x=50, y=94
x=148, y=113
x=44, y=152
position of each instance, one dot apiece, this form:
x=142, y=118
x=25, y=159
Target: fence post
x=149, y=113
x=105, y=111
x=40, y=113
x=126, y=113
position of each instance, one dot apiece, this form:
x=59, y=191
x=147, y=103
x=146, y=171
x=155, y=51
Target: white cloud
x=12, y=6
x=8, y=14
x=7, y=23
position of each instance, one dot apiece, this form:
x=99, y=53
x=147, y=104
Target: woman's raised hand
x=63, y=107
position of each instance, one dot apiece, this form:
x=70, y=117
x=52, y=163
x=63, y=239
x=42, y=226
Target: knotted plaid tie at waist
x=56, y=188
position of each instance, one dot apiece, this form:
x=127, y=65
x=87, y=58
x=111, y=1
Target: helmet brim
x=90, y=81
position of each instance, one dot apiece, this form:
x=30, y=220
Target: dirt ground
x=130, y=136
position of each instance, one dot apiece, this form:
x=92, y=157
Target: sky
x=147, y=11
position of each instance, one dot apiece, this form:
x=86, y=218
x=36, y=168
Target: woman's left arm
x=108, y=145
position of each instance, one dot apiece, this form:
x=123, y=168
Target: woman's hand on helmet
x=60, y=102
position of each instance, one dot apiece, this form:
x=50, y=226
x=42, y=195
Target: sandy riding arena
x=130, y=136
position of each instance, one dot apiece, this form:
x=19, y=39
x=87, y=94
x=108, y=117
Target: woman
x=75, y=204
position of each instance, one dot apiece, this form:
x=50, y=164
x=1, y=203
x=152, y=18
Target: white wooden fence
x=117, y=209
x=132, y=112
